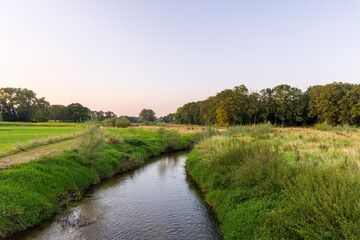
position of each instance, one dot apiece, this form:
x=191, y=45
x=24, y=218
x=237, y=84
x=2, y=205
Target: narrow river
x=156, y=201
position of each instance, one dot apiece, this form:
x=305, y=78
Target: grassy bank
x=281, y=184
x=34, y=191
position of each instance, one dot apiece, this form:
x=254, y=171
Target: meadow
x=262, y=182
x=27, y=133
x=283, y=183
x=34, y=191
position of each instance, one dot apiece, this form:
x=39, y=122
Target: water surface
x=157, y=201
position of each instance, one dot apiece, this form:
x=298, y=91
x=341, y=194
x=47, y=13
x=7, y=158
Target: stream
x=156, y=201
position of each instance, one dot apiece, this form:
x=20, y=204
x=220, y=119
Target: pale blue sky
x=127, y=55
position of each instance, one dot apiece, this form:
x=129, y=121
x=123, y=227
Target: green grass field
x=10, y=133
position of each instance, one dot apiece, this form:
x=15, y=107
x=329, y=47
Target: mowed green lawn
x=26, y=134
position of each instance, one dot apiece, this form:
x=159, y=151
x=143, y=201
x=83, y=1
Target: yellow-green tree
x=222, y=116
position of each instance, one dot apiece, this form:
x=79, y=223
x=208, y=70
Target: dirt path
x=38, y=152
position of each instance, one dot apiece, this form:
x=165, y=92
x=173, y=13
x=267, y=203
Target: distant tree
x=19, y=104
x=222, y=116
x=98, y=115
x=133, y=119
x=40, y=110
x=169, y=118
x=75, y=112
x=289, y=104
x=57, y=112
x=147, y=115
x=109, y=114
x=254, y=106
x=329, y=102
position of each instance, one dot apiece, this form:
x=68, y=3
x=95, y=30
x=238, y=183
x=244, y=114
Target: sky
x=126, y=55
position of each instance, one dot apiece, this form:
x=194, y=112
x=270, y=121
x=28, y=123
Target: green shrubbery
x=122, y=122
x=258, y=195
x=109, y=122
x=90, y=145
x=327, y=127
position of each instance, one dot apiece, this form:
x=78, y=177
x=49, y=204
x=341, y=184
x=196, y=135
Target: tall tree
x=75, y=112
x=147, y=115
x=16, y=104
x=40, y=110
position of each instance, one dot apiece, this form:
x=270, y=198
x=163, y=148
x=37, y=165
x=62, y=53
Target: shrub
x=90, y=145
x=323, y=126
x=109, y=122
x=122, y=122
x=327, y=127
x=113, y=140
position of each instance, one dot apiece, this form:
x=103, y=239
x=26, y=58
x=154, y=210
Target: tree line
x=336, y=103
x=22, y=105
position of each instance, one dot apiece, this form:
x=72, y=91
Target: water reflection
x=157, y=201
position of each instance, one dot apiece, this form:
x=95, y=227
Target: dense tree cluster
x=336, y=103
x=17, y=104
x=22, y=105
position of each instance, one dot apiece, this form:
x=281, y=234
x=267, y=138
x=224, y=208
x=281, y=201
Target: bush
x=323, y=126
x=327, y=127
x=122, y=122
x=90, y=145
x=109, y=122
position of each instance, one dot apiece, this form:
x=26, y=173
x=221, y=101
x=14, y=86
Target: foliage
x=169, y=118
x=57, y=112
x=21, y=104
x=75, y=112
x=122, y=122
x=90, y=145
x=101, y=116
x=109, y=122
x=338, y=103
x=147, y=115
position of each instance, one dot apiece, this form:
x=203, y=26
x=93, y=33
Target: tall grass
x=257, y=194
x=262, y=128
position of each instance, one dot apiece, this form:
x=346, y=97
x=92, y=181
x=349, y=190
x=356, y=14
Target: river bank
x=34, y=191
x=155, y=201
x=281, y=184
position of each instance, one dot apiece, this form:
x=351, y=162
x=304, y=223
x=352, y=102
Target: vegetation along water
x=297, y=183
x=156, y=201
x=32, y=192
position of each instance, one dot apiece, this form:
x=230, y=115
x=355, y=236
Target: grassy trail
x=38, y=152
